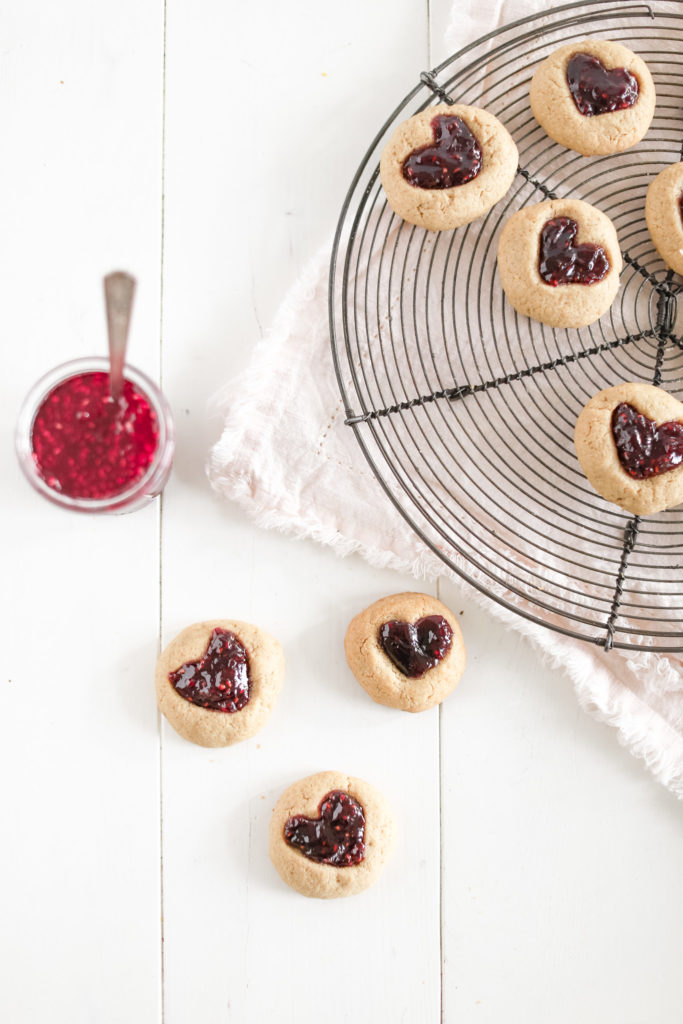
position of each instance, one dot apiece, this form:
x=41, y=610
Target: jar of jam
x=86, y=451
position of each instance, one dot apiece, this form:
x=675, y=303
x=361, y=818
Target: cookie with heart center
x=217, y=681
x=331, y=835
x=664, y=215
x=629, y=442
x=559, y=262
x=406, y=651
x=593, y=96
x=447, y=165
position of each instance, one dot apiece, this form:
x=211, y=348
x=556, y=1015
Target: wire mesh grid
x=464, y=410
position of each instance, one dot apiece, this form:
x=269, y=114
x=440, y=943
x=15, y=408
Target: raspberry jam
x=86, y=445
x=220, y=679
x=562, y=262
x=453, y=159
x=597, y=90
x=645, y=449
x=337, y=837
x=415, y=647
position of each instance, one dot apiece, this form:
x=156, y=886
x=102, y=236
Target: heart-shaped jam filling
x=220, y=679
x=337, y=837
x=453, y=159
x=562, y=262
x=595, y=90
x=415, y=647
x=645, y=449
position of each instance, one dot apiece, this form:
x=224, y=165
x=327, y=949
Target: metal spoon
x=119, y=289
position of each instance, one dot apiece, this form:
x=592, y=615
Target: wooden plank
x=260, y=148
x=562, y=886
x=80, y=921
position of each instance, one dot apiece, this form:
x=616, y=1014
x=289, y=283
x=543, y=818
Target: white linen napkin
x=285, y=449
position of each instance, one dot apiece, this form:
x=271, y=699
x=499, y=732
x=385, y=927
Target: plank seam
x=161, y=506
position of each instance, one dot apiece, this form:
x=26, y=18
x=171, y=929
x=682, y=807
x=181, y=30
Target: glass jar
x=141, y=490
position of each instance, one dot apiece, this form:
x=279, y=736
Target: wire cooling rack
x=465, y=410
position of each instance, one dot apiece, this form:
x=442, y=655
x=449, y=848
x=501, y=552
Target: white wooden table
x=206, y=147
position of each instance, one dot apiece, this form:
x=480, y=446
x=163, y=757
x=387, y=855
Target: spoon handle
x=119, y=289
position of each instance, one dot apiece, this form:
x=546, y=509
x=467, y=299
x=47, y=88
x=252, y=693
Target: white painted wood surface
x=81, y=192
x=538, y=872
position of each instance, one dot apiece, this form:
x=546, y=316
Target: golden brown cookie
x=574, y=92
x=406, y=651
x=530, y=246
x=331, y=835
x=648, y=474
x=217, y=681
x=459, y=139
x=664, y=217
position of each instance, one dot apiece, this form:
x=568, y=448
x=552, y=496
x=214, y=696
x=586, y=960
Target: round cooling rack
x=464, y=410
